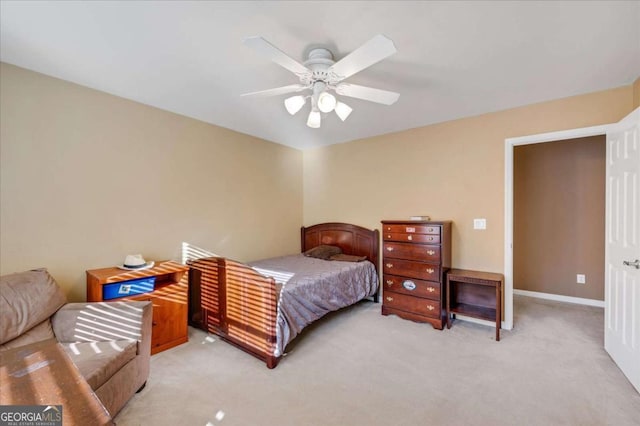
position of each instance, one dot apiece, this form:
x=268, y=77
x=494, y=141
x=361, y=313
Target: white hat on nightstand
x=135, y=262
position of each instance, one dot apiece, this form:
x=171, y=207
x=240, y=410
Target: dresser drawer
x=415, y=305
x=412, y=287
x=412, y=229
x=413, y=238
x=409, y=268
x=412, y=252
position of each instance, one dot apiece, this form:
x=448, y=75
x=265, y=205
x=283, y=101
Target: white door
x=622, y=250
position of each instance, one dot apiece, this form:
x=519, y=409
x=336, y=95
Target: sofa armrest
x=104, y=321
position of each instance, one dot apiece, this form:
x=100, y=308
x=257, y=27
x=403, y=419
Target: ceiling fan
x=320, y=74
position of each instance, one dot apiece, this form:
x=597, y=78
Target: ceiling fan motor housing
x=319, y=61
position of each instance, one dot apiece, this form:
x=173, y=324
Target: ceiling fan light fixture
x=314, y=120
x=343, y=110
x=326, y=102
x=294, y=103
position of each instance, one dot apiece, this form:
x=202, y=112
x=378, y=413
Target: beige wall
x=452, y=170
x=87, y=178
x=559, y=206
x=70, y=154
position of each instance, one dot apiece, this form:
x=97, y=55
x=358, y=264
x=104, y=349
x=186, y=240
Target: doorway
x=510, y=144
x=559, y=215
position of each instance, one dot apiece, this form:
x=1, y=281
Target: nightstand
x=170, y=296
x=475, y=294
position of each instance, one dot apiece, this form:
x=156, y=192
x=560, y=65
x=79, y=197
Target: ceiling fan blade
x=375, y=50
x=271, y=52
x=367, y=93
x=278, y=90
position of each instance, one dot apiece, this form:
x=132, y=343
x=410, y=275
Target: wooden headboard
x=352, y=239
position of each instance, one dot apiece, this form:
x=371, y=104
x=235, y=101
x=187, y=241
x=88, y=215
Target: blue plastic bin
x=128, y=288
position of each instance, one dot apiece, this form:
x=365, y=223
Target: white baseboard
x=559, y=298
x=547, y=296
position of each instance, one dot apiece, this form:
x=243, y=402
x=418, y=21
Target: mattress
x=309, y=288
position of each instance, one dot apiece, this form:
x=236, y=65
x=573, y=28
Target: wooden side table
x=475, y=294
x=170, y=298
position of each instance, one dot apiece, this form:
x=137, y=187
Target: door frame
x=510, y=144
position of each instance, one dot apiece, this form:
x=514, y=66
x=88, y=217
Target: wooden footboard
x=238, y=304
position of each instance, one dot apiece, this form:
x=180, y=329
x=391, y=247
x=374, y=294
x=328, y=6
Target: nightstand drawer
x=416, y=305
x=408, y=251
x=412, y=287
x=409, y=268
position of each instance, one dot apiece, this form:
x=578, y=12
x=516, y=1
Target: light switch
x=479, y=223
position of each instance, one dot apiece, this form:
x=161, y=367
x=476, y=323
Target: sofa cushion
x=81, y=322
x=27, y=299
x=98, y=361
x=40, y=332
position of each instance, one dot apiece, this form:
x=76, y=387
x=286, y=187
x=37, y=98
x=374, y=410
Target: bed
x=262, y=306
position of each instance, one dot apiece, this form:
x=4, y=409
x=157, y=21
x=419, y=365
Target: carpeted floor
x=356, y=367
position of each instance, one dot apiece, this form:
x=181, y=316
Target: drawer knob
x=429, y=229
x=388, y=236
x=389, y=248
x=431, y=289
x=389, y=265
x=410, y=237
x=389, y=299
x=431, y=252
x=430, y=238
x=389, y=283
x=430, y=307
x=430, y=271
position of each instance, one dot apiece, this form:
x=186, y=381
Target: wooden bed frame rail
x=248, y=318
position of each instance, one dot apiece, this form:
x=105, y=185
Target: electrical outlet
x=479, y=223
x=581, y=279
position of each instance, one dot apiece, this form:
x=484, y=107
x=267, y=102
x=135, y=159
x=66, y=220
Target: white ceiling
x=454, y=59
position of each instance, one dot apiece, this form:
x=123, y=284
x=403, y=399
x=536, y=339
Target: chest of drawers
x=415, y=258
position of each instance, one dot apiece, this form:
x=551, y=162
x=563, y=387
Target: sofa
x=109, y=342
